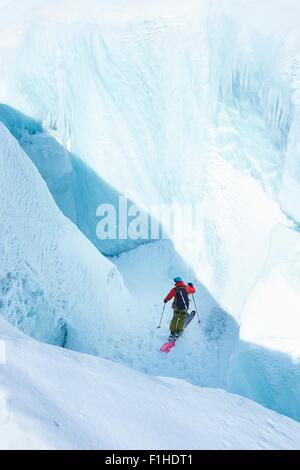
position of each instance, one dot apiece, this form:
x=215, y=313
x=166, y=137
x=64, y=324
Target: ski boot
x=177, y=334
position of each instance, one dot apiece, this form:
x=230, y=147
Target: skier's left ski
x=189, y=318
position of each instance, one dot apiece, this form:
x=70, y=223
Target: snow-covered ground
x=57, y=399
x=202, y=357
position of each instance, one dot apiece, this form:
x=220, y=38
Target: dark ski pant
x=178, y=321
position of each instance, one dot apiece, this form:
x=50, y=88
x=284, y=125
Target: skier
x=180, y=305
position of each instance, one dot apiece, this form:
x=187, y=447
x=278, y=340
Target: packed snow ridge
x=194, y=103
x=84, y=402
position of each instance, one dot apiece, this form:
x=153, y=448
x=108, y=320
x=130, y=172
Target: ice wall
x=76, y=188
x=266, y=364
x=54, y=284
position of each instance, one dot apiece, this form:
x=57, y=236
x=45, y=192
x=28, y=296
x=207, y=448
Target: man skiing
x=180, y=294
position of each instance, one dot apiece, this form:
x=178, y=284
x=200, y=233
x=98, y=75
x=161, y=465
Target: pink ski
x=168, y=346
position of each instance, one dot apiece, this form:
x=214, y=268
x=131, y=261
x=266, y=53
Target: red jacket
x=171, y=294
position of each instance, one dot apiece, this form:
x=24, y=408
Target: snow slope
x=58, y=399
x=54, y=284
x=202, y=357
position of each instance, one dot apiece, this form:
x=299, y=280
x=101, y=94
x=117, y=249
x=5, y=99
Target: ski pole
x=162, y=316
x=199, y=321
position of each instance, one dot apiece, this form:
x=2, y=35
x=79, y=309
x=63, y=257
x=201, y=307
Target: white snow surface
x=57, y=399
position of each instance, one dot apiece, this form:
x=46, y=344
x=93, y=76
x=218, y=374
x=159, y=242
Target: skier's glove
x=165, y=301
x=190, y=284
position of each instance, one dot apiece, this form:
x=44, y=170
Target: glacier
x=189, y=103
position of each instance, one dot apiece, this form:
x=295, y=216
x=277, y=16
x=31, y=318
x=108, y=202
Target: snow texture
x=57, y=399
